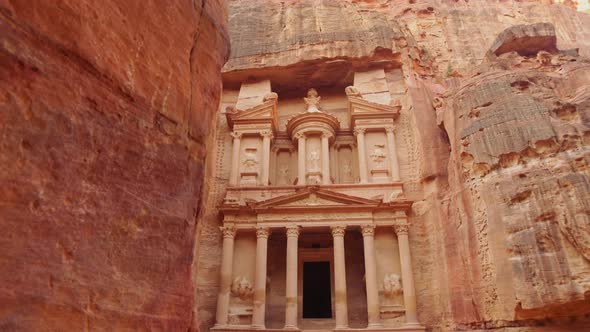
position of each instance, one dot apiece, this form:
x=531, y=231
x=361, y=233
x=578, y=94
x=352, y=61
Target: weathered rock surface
x=105, y=108
x=493, y=143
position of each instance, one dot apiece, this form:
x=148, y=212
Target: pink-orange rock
x=105, y=108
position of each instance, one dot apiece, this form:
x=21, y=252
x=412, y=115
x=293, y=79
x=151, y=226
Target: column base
x=257, y=327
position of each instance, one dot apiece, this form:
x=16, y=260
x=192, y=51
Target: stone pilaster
x=266, y=137
x=302, y=159
x=235, y=161
x=407, y=277
x=227, y=260
x=259, y=302
x=291, y=283
x=340, y=299
x=326, y=158
x=361, y=147
x=373, y=308
x=392, y=149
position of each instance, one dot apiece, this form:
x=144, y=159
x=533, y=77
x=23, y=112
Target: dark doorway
x=317, y=294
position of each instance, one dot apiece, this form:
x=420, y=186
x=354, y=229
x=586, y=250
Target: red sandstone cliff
x=105, y=111
x=498, y=170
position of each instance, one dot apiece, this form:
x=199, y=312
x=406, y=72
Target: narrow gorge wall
x=493, y=147
x=105, y=109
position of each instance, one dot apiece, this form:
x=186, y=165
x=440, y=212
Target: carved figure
x=312, y=100
x=284, y=174
x=347, y=170
x=378, y=155
x=544, y=58
x=250, y=160
x=241, y=288
x=392, y=285
x=352, y=91
x=314, y=160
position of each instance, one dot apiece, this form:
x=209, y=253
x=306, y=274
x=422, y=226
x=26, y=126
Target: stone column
x=407, y=278
x=373, y=306
x=266, y=137
x=259, y=302
x=235, y=160
x=340, y=278
x=326, y=158
x=227, y=259
x=392, y=149
x=360, y=140
x=291, y=284
x=302, y=161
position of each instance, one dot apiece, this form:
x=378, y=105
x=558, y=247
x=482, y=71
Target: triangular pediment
x=312, y=197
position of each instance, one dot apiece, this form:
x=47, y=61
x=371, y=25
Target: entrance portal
x=317, y=294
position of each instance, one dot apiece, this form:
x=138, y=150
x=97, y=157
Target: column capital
x=359, y=130
x=338, y=230
x=236, y=135
x=228, y=231
x=368, y=230
x=300, y=135
x=390, y=129
x=266, y=133
x=262, y=232
x=326, y=134
x=292, y=231
x=401, y=229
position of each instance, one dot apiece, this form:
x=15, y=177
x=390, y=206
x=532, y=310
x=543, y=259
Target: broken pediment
x=361, y=109
x=266, y=112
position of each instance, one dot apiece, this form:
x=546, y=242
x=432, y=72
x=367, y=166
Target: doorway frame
x=314, y=255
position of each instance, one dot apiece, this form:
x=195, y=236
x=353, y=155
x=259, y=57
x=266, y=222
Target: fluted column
x=258, y=313
x=407, y=277
x=235, y=160
x=266, y=137
x=325, y=158
x=360, y=140
x=291, y=284
x=226, y=272
x=373, y=308
x=392, y=149
x=302, y=157
x=340, y=278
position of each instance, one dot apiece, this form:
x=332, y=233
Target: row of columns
x=340, y=297
x=359, y=132
x=234, y=177
x=302, y=158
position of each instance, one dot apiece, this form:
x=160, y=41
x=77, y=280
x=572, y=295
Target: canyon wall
x=493, y=143
x=106, y=108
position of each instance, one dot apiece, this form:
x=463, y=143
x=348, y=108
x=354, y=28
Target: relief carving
x=314, y=160
x=312, y=100
x=378, y=155
x=250, y=161
x=392, y=285
x=242, y=288
x=284, y=174
x=347, y=171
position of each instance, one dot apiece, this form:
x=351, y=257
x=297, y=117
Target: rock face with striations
x=106, y=108
x=493, y=143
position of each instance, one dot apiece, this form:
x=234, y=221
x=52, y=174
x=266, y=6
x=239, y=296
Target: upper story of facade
x=344, y=139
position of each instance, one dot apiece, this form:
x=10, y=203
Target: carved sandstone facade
x=315, y=176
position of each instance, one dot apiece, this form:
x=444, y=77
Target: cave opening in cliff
x=317, y=295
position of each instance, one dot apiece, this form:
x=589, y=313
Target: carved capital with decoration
x=390, y=129
x=359, y=131
x=266, y=133
x=229, y=232
x=338, y=231
x=293, y=231
x=368, y=230
x=236, y=135
x=401, y=229
x=262, y=232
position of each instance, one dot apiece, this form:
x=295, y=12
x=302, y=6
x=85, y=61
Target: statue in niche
x=250, y=161
x=314, y=160
x=284, y=174
x=312, y=100
x=347, y=170
x=392, y=285
x=378, y=155
x=241, y=288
